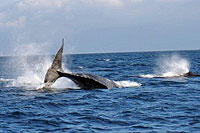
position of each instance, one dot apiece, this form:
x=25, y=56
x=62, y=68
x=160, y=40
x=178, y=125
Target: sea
x=152, y=95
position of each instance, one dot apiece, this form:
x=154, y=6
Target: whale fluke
x=84, y=81
x=52, y=74
x=57, y=62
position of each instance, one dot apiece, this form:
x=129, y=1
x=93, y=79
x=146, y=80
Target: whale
x=82, y=80
x=191, y=74
x=186, y=75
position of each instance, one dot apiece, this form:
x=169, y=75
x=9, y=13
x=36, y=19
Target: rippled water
x=158, y=105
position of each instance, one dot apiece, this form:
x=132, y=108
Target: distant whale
x=84, y=81
x=188, y=74
x=191, y=74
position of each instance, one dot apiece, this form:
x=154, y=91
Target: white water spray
x=173, y=66
x=32, y=69
x=122, y=84
x=170, y=66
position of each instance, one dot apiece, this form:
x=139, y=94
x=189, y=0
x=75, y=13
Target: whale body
x=83, y=80
x=88, y=81
x=191, y=74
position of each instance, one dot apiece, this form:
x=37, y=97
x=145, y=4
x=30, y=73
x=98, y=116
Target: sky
x=98, y=26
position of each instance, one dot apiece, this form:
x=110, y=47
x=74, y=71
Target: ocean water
x=151, y=98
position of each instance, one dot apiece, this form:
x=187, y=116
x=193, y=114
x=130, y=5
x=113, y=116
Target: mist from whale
x=82, y=80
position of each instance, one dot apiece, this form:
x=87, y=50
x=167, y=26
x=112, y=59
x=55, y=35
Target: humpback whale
x=191, y=74
x=188, y=75
x=82, y=80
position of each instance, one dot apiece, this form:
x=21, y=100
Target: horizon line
x=114, y=52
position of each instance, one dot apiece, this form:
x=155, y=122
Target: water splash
x=31, y=72
x=6, y=80
x=63, y=83
x=123, y=84
x=170, y=66
x=107, y=60
x=148, y=75
x=174, y=65
x=31, y=69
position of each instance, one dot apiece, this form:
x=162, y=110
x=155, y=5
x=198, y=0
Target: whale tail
x=52, y=75
x=85, y=81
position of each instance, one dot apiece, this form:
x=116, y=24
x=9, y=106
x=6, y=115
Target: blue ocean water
x=144, y=103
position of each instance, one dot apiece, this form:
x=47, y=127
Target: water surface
x=158, y=105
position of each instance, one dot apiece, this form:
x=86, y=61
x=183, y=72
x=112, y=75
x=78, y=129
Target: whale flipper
x=84, y=81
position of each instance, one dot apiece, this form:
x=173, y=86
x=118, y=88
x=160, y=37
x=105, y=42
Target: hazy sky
x=99, y=25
